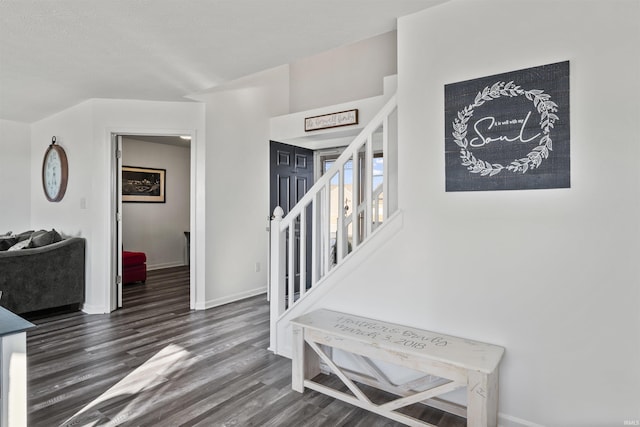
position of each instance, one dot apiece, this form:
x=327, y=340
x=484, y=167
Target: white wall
x=15, y=176
x=551, y=275
x=72, y=129
x=344, y=74
x=157, y=229
x=85, y=133
x=237, y=203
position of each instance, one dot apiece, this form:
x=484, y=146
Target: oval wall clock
x=55, y=172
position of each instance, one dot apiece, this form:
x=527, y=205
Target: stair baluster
x=370, y=205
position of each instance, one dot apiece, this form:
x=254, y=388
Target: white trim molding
x=232, y=298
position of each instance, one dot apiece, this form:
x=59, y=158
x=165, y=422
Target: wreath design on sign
x=545, y=107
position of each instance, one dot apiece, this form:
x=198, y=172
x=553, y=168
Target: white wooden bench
x=457, y=362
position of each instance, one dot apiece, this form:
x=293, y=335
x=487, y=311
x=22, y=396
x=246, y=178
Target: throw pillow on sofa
x=20, y=245
x=43, y=238
x=6, y=242
x=24, y=235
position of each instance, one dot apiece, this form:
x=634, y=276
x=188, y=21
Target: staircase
x=343, y=210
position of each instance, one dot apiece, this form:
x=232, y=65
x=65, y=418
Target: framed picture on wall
x=143, y=185
x=509, y=131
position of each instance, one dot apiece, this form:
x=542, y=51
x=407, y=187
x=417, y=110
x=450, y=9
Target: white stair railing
x=325, y=226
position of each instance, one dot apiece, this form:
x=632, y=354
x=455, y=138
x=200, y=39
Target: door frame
x=196, y=219
x=320, y=155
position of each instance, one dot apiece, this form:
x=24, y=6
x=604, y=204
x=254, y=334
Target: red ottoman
x=134, y=267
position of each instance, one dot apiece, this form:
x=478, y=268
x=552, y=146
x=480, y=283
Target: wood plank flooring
x=157, y=363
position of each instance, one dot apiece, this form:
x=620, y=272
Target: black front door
x=291, y=176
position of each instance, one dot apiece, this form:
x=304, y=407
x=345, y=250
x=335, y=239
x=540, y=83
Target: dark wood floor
x=157, y=363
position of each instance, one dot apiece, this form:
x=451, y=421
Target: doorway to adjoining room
x=154, y=195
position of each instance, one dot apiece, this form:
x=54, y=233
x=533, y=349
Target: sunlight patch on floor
x=138, y=387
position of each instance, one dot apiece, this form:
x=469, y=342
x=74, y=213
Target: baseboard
x=505, y=420
x=235, y=297
x=93, y=309
x=165, y=265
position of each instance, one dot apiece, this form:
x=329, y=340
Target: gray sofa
x=42, y=278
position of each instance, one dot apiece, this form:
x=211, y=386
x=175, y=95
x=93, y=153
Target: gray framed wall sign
x=509, y=131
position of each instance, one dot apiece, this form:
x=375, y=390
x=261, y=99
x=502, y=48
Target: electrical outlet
x=257, y=267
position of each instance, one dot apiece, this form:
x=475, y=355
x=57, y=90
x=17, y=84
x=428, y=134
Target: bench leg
x=482, y=400
x=297, y=360
x=305, y=363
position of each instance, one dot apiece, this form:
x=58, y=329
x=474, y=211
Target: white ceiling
x=57, y=53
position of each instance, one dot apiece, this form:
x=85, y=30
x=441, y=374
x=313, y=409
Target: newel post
x=277, y=282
